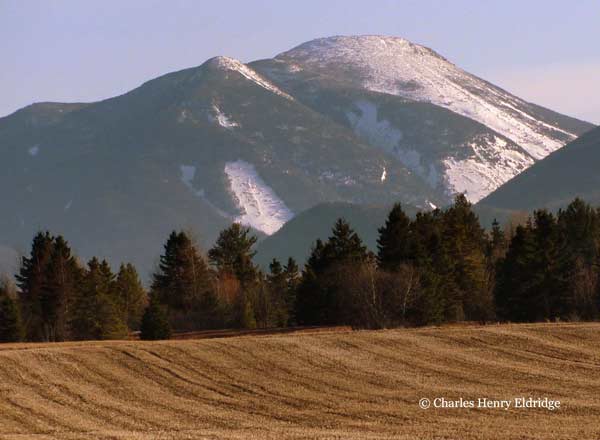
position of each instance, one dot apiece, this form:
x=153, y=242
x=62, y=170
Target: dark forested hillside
x=553, y=182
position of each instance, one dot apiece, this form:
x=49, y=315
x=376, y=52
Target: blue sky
x=71, y=50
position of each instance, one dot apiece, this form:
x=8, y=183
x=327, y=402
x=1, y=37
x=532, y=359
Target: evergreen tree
x=497, y=244
x=320, y=298
x=292, y=279
x=184, y=283
x=131, y=296
x=232, y=253
x=10, y=319
x=517, y=279
x=155, y=323
x=58, y=291
x=545, y=297
x=95, y=315
x=579, y=242
x=31, y=279
x=311, y=305
x=279, y=295
x=232, y=256
x=393, y=241
x=464, y=242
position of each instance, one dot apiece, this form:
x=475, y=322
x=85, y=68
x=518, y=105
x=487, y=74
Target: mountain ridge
x=226, y=141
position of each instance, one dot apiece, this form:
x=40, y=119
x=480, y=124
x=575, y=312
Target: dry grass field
x=337, y=385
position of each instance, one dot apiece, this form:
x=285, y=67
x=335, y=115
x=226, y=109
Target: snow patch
x=260, y=207
x=383, y=175
x=381, y=133
x=226, y=63
x=368, y=126
x=188, y=172
x=33, y=151
x=489, y=165
x=221, y=119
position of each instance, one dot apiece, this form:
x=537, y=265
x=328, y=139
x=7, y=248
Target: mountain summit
x=363, y=120
x=517, y=133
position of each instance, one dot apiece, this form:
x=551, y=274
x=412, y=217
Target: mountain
x=393, y=94
x=195, y=149
x=360, y=120
x=555, y=181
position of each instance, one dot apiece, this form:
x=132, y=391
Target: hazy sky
x=546, y=51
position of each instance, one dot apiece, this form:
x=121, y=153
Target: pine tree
x=131, y=296
x=393, y=241
x=155, y=322
x=31, y=279
x=184, y=283
x=232, y=253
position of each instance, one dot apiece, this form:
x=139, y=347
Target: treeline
x=57, y=299
x=441, y=266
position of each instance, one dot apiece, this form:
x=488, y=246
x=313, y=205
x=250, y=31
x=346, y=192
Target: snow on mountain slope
x=489, y=165
x=231, y=64
x=221, y=118
x=369, y=126
x=476, y=169
x=261, y=208
x=399, y=67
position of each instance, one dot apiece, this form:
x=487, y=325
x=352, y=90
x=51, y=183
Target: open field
x=328, y=385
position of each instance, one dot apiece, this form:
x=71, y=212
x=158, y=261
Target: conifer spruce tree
x=31, y=279
x=517, y=278
x=232, y=253
x=278, y=288
x=579, y=257
x=231, y=256
x=463, y=239
x=10, y=318
x=393, y=241
x=95, y=314
x=292, y=279
x=183, y=282
x=155, y=322
x=321, y=300
x=131, y=296
x=310, y=299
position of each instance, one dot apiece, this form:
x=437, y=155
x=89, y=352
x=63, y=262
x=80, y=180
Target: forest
x=440, y=266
